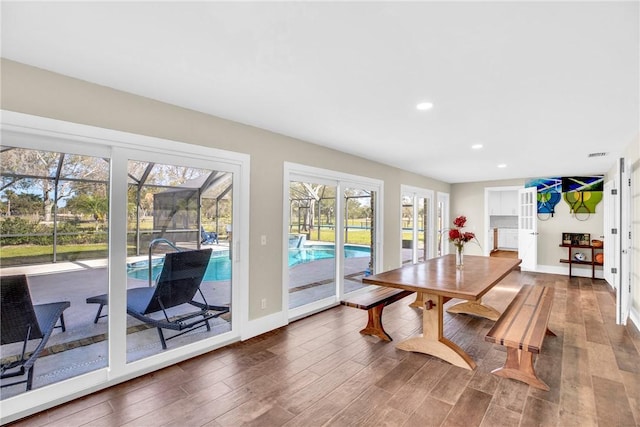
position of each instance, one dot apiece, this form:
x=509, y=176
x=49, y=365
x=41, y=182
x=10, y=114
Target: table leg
x=476, y=308
x=432, y=340
x=419, y=302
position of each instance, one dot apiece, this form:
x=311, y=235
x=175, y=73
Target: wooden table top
x=440, y=276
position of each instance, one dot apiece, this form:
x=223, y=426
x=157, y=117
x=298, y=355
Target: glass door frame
x=35, y=132
x=301, y=173
x=416, y=193
x=443, y=221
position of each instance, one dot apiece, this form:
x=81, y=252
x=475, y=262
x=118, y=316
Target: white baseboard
x=560, y=269
x=264, y=324
x=635, y=317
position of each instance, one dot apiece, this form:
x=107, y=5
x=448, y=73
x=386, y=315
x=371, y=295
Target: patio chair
x=178, y=283
x=208, y=238
x=23, y=322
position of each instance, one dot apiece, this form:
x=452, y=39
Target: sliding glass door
x=332, y=239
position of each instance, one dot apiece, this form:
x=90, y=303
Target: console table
x=588, y=249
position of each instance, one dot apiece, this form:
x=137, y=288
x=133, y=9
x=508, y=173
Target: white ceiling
x=539, y=84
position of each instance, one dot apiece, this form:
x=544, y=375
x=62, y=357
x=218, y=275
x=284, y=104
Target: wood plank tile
x=602, y=361
x=317, y=414
x=539, y=412
x=469, y=410
x=611, y=402
x=358, y=410
x=575, y=366
x=362, y=380
x=549, y=369
x=431, y=412
x=402, y=373
x=450, y=387
x=569, y=419
x=411, y=395
x=83, y=416
x=302, y=399
x=178, y=410
x=497, y=416
x=320, y=370
x=577, y=399
x=511, y=395
x=129, y=411
x=255, y=412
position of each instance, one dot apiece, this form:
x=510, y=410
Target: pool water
x=220, y=265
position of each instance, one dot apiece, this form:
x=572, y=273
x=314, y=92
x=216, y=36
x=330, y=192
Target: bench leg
x=374, y=324
x=519, y=366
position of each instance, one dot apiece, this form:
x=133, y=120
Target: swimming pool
x=220, y=265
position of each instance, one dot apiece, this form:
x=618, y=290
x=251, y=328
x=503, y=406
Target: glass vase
x=460, y=257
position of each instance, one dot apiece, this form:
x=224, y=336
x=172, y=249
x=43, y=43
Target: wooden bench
x=374, y=302
x=522, y=328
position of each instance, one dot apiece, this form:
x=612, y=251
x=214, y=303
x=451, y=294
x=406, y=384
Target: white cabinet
x=509, y=202
x=503, y=203
x=507, y=238
x=495, y=203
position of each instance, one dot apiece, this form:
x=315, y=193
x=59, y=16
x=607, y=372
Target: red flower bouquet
x=459, y=238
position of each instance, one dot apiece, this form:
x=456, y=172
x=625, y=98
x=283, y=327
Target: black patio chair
x=208, y=238
x=23, y=322
x=177, y=284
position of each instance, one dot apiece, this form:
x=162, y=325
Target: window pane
x=179, y=269
x=311, y=257
x=54, y=233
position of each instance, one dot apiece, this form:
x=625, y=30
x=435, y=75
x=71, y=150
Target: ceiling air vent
x=597, y=154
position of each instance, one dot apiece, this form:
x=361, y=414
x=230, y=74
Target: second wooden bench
x=374, y=302
x=522, y=328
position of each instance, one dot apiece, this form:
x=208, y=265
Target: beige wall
x=37, y=92
x=468, y=199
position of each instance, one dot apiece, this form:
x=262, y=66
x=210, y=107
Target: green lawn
x=33, y=254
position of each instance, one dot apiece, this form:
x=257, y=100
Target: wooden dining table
x=437, y=281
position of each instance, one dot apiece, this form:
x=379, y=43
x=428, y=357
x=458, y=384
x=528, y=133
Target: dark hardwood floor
x=321, y=371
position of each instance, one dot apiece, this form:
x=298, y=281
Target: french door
x=417, y=225
x=528, y=228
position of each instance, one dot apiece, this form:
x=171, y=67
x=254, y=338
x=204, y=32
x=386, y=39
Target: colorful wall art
x=549, y=190
x=582, y=193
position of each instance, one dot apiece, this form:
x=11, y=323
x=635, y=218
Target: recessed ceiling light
x=423, y=106
x=476, y=146
x=502, y=165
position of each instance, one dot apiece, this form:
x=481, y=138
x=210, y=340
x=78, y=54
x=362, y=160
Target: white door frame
x=442, y=199
x=415, y=193
x=487, y=214
x=611, y=250
x=623, y=292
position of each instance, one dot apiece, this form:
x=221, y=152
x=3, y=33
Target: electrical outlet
x=263, y=303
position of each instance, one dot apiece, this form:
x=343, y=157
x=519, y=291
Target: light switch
x=263, y=240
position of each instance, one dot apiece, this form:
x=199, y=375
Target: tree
x=96, y=206
x=22, y=204
x=42, y=172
